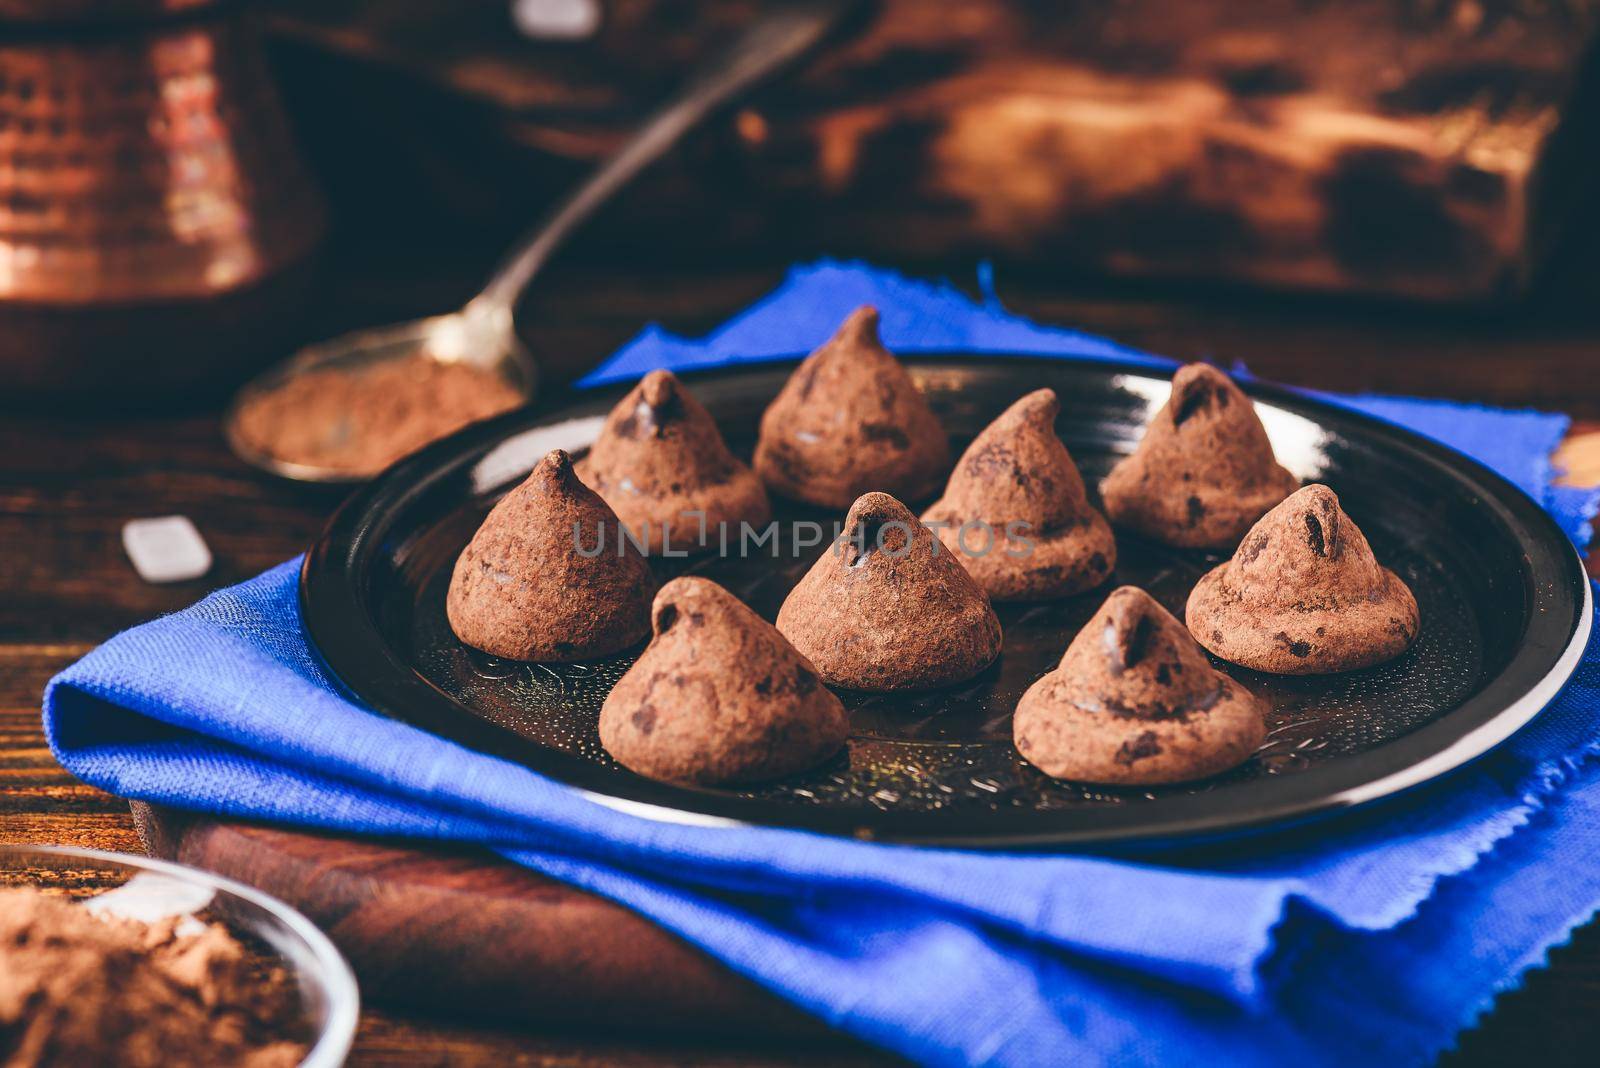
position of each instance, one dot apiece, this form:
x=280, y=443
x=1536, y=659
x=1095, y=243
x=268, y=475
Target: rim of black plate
x=336, y=612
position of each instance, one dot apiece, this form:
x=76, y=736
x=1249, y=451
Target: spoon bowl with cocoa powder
x=343, y=410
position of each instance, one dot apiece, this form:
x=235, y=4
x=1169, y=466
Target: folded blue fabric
x=1377, y=938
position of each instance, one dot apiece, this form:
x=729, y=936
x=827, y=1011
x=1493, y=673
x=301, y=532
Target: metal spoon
x=483, y=332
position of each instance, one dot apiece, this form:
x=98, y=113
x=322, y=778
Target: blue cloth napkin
x=1379, y=938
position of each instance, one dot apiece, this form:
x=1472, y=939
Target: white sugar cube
x=556, y=20
x=166, y=549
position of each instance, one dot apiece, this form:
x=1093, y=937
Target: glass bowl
x=140, y=888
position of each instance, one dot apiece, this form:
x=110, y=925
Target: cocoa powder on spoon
x=358, y=421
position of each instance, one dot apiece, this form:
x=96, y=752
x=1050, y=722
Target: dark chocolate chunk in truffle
x=545, y=577
x=1304, y=595
x=1134, y=700
x=1015, y=511
x=1204, y=471
x=850, y=420
x=889, y=608
x=719, y=696
x=661, y=464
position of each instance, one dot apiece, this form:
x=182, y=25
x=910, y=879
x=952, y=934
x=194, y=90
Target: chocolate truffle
x=1134, y=700
x=546, y=577
x=1303, y=595
x=661, y=464
x=1204, y=470
x=719, y=696
x=850, y=420
x=1015, y=513
x=888, y=608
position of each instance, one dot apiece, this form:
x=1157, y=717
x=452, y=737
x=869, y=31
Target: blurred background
x=189, y=189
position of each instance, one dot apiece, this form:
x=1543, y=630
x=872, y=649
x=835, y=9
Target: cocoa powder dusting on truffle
x=77, y=988
x=1134, y=700
x=1304, y=595
x=1204, y=471
x=1018, y=478
x=360, y=421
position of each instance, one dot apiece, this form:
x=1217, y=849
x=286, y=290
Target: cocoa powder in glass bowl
x=78, y=988
x=109, y=958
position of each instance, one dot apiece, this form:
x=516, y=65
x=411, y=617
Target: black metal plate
x=1503, y=598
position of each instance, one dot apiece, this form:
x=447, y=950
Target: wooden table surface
x=68, y=482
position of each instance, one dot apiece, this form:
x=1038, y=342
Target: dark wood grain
x=1419, y=149
x=68, y=480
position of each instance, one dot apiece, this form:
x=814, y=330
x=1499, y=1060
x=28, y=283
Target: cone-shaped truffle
x=1204, y=470
x=1303, y=595
x=1134, y=700
x=544, y=578
x=888, y=608
x=719, y=696
x=850, y=420
x=1015, y=514
x=661, y=464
